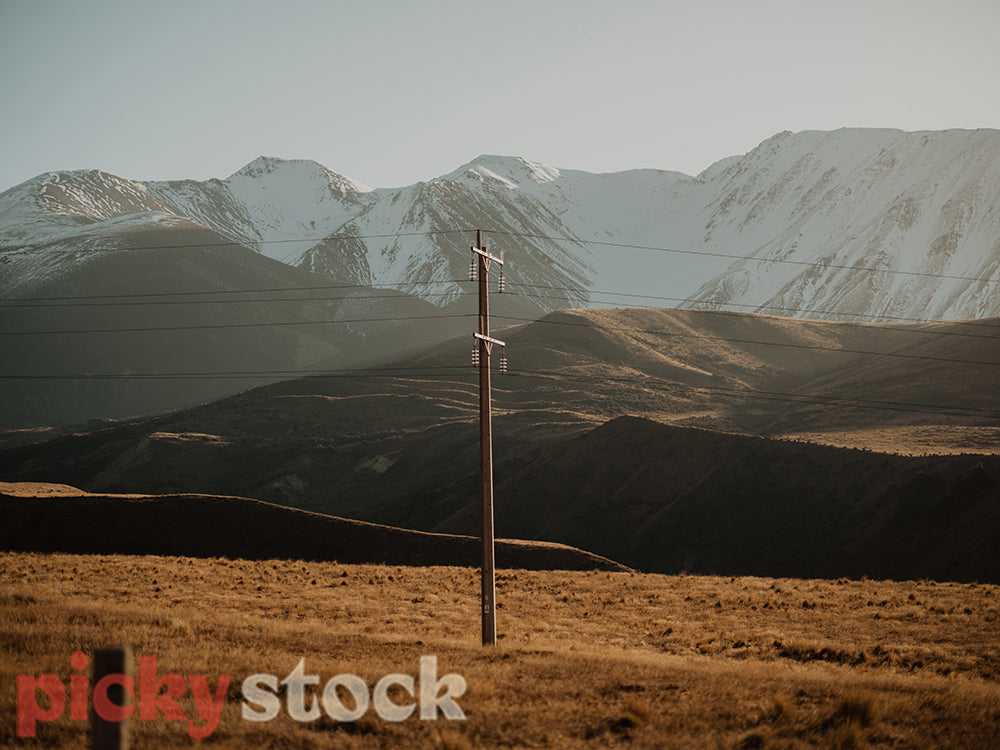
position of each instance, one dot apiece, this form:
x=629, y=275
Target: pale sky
x=391, y=92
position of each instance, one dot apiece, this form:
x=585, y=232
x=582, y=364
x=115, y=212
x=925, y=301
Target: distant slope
x=752, y=373
x=157, y=313
x=58, y=519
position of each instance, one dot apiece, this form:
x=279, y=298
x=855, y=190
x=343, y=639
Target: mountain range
x=286, y=266
x=918, y=204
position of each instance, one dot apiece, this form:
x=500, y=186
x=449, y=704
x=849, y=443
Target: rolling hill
x=400, y=446
x=671, y=499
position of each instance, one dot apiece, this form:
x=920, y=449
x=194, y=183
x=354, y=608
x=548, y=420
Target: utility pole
x=481, y=355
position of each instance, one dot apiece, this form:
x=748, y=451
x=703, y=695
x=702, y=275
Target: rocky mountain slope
x=803, y=214
x=918, y=211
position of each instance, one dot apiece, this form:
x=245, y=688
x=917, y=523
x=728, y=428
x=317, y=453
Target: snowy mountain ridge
x=854, y=223
x=919, y=211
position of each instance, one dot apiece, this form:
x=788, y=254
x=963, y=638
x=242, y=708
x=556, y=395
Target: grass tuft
x=846, y=737
x=858, y=708
x=756, y=740
x=854, y=710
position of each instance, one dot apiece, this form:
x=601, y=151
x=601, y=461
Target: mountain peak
x=260, y=166
x=264, y=166
x=511, y=171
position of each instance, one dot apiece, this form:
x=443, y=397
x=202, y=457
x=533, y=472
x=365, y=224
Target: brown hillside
x=764, y=375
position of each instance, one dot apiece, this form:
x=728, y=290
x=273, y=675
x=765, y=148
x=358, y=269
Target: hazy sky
x=391, y=92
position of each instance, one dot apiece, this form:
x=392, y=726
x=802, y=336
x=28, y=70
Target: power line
x=105, y=300
x=14, y=301
x=788, y=345
x=444, y=371
x=452, y=372
x=324, y=298
x=234, y=243
x=236, y=325
x=874, y=404
x=733, y=256
x=549, y=238
x=240, y=374
x=755, y=307
x=142, y=300
x=545, y=321
x=766, y=307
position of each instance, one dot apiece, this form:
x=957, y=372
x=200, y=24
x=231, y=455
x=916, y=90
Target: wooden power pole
x=484, y=346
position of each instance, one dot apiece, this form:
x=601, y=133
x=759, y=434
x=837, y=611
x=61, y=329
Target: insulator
x=475, y=356
x=472, y=270
x=503, y=283
x=503, y=364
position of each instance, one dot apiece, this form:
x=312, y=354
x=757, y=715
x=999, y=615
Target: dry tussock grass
x=585, y=659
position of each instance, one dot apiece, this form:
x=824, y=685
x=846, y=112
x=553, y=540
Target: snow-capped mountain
x=851, y=224
x=279, y=207
x=854, y=223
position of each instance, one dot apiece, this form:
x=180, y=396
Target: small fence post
x=104, y=734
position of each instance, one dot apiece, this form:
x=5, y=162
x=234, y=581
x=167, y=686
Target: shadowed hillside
x=47, y=518
x=671, y=499
x=119, y=328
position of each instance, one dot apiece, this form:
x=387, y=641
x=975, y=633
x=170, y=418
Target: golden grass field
x=585, y=659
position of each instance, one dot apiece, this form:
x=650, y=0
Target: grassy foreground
x=585, y=659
